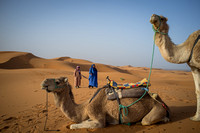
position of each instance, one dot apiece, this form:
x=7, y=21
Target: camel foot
x=87, y=124
x=195, y=118
x=74, y=126
x=165, y=120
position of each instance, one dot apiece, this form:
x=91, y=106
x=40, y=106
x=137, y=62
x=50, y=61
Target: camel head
x=54, y=85
x=159, y=22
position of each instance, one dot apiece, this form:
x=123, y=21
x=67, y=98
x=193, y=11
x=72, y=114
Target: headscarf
x=92, y=69
x=78, y=68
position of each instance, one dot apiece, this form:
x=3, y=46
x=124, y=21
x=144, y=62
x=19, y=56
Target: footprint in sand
x=3, y=115
x=10, y=119
x=4, y=128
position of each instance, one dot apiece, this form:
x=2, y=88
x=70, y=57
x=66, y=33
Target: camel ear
x=66, y=80
x=57, y=80
x=163, y=18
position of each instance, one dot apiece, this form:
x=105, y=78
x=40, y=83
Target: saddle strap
x=95, y=94
x=118, y=100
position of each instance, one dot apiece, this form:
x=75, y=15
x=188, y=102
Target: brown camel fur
x=101, y=111
x=187, y=52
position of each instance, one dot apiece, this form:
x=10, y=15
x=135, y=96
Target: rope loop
x=124, y=109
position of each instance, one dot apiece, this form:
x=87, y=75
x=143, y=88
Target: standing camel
x=187, y=52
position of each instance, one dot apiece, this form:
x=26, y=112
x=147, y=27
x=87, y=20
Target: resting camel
x=100, y=111
x=187, y=52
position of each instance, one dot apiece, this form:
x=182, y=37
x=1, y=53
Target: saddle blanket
x=129, y=85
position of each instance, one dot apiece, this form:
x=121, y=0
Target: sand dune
x=22, y=60
x=22, y=107
x=15, y=60
x=68, y=59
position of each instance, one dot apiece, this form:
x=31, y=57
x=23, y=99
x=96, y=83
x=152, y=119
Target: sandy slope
x=23, y=102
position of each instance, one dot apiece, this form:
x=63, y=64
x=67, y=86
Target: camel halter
x=157, y=31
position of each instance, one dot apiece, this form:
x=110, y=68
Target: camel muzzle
x=44, y=87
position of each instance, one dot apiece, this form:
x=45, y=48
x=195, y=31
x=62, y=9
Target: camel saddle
x=127, y=90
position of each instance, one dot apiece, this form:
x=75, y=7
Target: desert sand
x=23, y=102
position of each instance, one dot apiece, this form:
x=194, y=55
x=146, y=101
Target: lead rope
x=152, y=57
x=125, y=108
x=47, y=115
x=47, y=108
x=46, y=112
x=151, y=61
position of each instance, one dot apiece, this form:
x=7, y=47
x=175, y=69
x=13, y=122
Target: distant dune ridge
x=23, y=60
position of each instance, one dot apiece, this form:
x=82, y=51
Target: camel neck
x=67, y=105
x=171, y=52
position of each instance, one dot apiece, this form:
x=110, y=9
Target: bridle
x=56, y=86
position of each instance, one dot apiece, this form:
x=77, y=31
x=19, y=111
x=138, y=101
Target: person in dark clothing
x=93, y=77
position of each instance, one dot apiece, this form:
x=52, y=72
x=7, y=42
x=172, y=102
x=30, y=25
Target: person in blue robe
x=93, y=77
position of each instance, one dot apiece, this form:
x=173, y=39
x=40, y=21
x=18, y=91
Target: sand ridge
x=22, y=107
x=23, y=60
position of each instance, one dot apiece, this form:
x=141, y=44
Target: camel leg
x=158, y=113
x=196, y=76
x=87, y=124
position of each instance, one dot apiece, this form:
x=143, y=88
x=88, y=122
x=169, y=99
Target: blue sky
x=114, y=32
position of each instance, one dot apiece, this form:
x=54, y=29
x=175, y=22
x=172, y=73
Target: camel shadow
x=181, y=112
